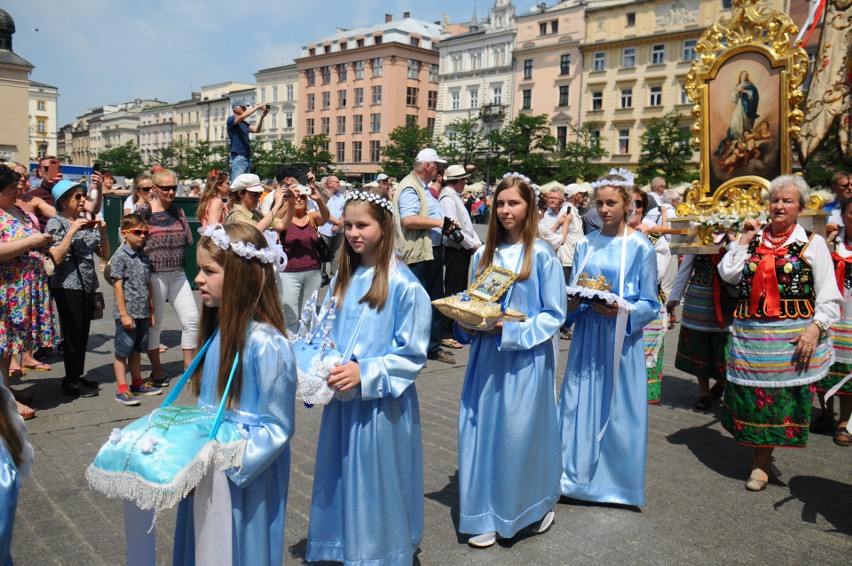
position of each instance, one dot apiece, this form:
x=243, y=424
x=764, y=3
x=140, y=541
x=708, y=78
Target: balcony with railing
x=492, y=112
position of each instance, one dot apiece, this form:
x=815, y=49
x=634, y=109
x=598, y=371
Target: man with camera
x=238, y=135
x=420, y=228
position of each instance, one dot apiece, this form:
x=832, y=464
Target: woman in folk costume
x=603, y=410
x=779, y=344
x=839, y=379
x=508, y=441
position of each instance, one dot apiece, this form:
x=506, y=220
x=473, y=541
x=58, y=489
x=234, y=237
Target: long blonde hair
x=497, y=233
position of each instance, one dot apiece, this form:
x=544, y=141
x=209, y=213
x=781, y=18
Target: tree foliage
x=666, y=151
x=314, y=152
x=827, y=159
x=580, y=158
x=466, y=142
x=524, y=146
x=124, y=160
x=404, y=142
x=269, y=160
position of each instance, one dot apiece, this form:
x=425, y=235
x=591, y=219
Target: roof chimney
x=388, y=18
x=406, y=15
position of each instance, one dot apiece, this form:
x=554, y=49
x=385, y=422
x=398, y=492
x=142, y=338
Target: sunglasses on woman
x=145, y=189
x=638, y=204
x=168, y=188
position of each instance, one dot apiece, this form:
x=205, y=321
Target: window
x=457, y=63
x=359, y=96
x=658, y=54
x=343, y=46
x=432, y=99
x=689, y=50
x=288, y=120
x=497, y=95
x=377, y=94
x=341, y=152
x=326, y=75
x=565, y=64
x=627, y=98
x=528, y=68
x=410, y=120
x=40, y=105
x=341, y=73
x=595, y=138
x=430, y=125
x=475, y=60
x=341, y=99
x=631, y=19
x=473, y=97
x=310, y=101
x=375, y=151
x=377, y=67
x=628, y=57
x=312, y=51
x=542, y=28
x=341, y=124
x=411, y=96
x=597, y=101
x=274, y=123
x=357, y=124
x=415, y=42
x=554, y=26
x=561, y=137
x=42, y=126
x=275, y=94
x=656, y=98
x=563, y=95
x=310, y=77
x=375, y=122
x=599, y=61
x=325, y=125
x=413, y=69
x=684, y=98
x=356, y=152
x=499, y=56
x=359, y=70
x=326, y=49
x=377, y=40
x=309, y=126
x=359, y=43
x=454, y=100
x=527, y=99
x=623, y=140
x=326, y=100
x=289, y=92
x=433, y=73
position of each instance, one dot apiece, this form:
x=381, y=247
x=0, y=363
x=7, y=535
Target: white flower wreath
x=628, y=177
x=273, y=253
x=370, y=197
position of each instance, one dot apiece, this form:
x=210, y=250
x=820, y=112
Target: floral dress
x=26, y=309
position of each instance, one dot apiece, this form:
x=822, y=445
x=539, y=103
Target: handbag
x=316, y=353
x=156, y=460
x=325, y=253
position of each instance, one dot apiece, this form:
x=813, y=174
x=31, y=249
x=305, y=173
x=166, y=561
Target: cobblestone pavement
x=697, y=511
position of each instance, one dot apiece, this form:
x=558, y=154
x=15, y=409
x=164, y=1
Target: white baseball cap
x=247, y=182
x=429, y=155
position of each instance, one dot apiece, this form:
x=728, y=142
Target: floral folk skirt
x=702, y=354
x=836, y=374
x=778, y=417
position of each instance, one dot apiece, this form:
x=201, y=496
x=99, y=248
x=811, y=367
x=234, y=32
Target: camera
x=452, y=231
x=267, y=107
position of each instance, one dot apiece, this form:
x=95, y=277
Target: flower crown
x=620, y=172
x=370, y=197
x=273, y=254
x=525, y=179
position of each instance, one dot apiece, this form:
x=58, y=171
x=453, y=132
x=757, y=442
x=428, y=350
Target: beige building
x=278, y=87
x=14, y=96
x=43, y=124
x=548, y=64
x=156, y=130
x=359, y=85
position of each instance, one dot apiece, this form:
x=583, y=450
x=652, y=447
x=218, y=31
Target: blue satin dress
x=611, y=470
x=367, y=504
x=509, y=462
x=259, y=487
x=10, y=485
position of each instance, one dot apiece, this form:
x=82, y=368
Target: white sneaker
x=484, y=540
x=544, y=524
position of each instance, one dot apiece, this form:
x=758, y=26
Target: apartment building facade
x=43, y=128
x=358, y=85
x=278, y=87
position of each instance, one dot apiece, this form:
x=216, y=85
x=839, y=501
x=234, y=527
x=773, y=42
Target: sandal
x=842, y=436
x=451, y=343
x=38, y=366
x=17, y=372
x=704, y=403
x=27, y=413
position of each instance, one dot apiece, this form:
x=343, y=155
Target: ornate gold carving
x=598, y=283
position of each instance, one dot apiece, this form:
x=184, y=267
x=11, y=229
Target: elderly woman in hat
x=76, y=241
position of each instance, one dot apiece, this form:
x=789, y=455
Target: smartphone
x=96, y=168
x=52, y=169
x=90, y=225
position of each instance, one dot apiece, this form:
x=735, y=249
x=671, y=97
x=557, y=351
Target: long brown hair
x=497, y=233
x=211, y=191
x=249, y=294
x=617, y=182
x=349, y=260
x=9, y=435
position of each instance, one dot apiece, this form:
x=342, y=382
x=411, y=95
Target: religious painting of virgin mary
x=744, y=119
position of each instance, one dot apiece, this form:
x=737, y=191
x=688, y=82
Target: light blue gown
x=509, y=463
x=612, y=470
x=10, y=485
x=259, y=487
x=367, y=504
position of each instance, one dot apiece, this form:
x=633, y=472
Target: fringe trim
x=791, y=383
x=147, y=495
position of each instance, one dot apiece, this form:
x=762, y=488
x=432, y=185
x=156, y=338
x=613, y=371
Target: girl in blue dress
x=16, y=458
x=603, y=411
x=244, y=318
x=367, y=504
x=509, y=463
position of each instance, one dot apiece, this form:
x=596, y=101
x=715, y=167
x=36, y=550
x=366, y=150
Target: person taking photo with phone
x=238, y=135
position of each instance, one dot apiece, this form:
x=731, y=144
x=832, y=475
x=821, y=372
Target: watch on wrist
x=820, y=324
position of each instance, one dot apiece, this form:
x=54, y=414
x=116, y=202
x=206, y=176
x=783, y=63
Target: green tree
x=403, y=145
x=580, y=156
x=202, y=157
x=269, y=160
x=666, y=150
x=314, y=152
x=166, y=156
x=524, y=145
x=124, y=160
x=827, y=159
x=466, y=143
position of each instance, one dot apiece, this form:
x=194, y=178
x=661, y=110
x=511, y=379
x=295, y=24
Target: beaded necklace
x=774, y=241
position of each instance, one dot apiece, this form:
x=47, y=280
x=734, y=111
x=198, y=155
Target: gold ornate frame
x=750, y=29
x=505, y=276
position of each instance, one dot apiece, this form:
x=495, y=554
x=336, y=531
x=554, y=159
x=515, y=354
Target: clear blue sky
x=108, y=51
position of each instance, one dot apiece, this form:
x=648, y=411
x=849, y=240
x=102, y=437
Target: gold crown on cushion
x=598, y=283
